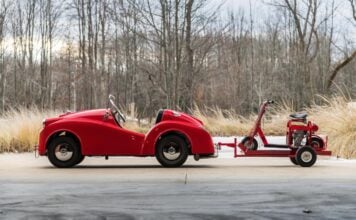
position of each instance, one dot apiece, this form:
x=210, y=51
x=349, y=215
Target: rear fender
x=324, y=138
x=199, y=140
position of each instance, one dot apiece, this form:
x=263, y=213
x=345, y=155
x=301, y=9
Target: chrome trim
x=63, y=152
x=306, y=156
x=171, y=152
x=37, y=155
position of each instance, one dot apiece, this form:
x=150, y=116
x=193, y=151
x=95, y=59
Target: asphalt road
x=138, y=188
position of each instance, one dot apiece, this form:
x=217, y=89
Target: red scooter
x=302, y=143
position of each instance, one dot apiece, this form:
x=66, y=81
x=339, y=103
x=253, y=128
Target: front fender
x=93, y=135
x=200, y=140
x=47, y=132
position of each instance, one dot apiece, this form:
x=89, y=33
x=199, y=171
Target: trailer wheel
x=250, y=144
x=64, y=152
x=306, y=156
x=172, y=151
x=294, y=160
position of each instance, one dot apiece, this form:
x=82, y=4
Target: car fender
x=85, y=130
x=322, y=137
x=199, y=139
x=51, y=130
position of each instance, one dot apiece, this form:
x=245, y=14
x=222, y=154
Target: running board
x=276, y=146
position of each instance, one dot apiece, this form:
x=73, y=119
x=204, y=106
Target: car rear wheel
x=64, y=152
x=81, y=158
x=172, y=151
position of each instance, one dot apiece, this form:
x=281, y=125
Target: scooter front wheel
x=250, y=143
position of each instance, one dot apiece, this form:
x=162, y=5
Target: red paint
x=309, y=127
x=100, y=135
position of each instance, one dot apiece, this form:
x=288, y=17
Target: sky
x=260, y=9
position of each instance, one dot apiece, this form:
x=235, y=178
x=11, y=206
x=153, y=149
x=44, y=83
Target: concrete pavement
x=139, y=188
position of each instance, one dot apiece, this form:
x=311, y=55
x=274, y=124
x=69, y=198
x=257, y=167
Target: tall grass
x=19, y=129
x=227, y=123
x=335, y=117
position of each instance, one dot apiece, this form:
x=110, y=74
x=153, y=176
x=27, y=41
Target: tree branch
x=338, y=67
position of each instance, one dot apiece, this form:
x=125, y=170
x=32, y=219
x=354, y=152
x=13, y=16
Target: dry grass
x=19, y=129
x=222, y=123
x=337, y=119
x=228, y=123
x=138, y=127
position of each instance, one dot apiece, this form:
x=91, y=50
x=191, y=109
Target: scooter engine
x=298, y=137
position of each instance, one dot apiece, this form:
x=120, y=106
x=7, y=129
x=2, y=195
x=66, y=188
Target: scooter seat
x=299, y=115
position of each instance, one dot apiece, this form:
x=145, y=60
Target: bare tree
x=4, y=6
x=348, y=58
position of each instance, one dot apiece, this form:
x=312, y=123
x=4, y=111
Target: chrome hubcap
x=63, y=152
x=171, y=151
x=306, y=157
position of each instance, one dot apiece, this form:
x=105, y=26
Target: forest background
x=70, y=55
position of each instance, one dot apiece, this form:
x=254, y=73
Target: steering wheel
x=116, y=109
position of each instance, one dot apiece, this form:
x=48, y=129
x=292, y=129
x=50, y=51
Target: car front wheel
x=172, y=151
x=64, y=152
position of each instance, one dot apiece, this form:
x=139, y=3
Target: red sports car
x=70, y=137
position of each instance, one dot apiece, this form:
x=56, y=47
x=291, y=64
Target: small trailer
x=302, y=143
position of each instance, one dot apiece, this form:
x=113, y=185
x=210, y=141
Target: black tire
x=81, y=158
x=317, y=143
x=64, y=152
x=253, y=145
x=294, y=161
x=172, y=151
x=306, y=156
